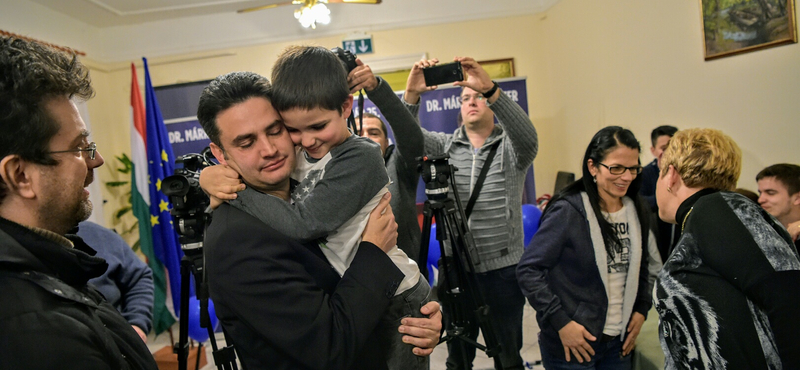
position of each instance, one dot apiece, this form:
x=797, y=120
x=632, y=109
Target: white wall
x=640, y=65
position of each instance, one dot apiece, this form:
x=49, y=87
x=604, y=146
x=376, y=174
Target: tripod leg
x=182, y=349
x=422, y=259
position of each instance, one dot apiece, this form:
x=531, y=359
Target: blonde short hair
x=704, y=158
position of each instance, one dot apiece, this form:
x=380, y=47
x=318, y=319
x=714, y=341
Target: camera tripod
x=189, y=213
x=461, y=296
x=192, y=263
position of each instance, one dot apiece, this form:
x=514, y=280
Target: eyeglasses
x=468, y=98
x=619, y=170
x=91, y=148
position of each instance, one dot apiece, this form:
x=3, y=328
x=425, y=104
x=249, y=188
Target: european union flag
x=161, y=163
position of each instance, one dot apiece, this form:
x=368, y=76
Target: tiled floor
x=530, y=347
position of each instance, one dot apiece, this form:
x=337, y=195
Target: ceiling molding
x=393, y=63
x=123, y=13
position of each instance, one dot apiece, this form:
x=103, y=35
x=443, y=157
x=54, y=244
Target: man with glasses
x=51, y=318
x=495, y=220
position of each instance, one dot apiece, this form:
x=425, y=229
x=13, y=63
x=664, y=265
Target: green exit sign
x=358, y=46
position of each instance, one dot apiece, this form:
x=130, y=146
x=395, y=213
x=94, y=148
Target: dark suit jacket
x=284, y=306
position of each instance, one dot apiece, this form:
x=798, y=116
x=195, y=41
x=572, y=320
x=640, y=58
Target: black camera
x=347, y=58
x=436, y=172
x=189, y=202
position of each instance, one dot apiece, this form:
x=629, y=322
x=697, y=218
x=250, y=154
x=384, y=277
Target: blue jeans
x=407, y=304
x=502, y=294
x=607, y=356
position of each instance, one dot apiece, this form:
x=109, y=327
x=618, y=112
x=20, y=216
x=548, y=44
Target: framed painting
x=738, y=26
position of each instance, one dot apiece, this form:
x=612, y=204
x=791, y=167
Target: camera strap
x=481, y=177
x=351, y=121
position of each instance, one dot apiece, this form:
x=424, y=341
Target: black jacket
x=283, y=305
x=728, y=295
x=49, y=317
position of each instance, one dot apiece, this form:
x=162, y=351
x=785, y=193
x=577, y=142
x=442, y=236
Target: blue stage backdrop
x=439, y=110
x=179, y=108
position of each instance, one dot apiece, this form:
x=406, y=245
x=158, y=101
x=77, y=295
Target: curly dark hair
x=30, y=75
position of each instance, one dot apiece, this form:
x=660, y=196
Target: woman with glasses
x=728, y=295
x=590, y=268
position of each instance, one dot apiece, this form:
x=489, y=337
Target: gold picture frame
x=733, y=27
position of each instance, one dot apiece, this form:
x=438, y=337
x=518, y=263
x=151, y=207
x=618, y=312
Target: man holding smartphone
x=496, y=220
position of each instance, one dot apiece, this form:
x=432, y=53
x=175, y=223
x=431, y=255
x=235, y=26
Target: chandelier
x=313, y=12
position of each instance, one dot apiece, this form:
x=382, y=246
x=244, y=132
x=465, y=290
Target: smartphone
x=443, y=73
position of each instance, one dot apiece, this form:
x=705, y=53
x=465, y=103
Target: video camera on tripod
x=459, y=290
x=189, y=202
x=189, y=212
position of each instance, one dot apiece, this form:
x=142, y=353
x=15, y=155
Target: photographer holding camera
x=495, y=220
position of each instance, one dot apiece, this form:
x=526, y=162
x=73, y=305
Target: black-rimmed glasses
x=91, y=148
x=619, y=170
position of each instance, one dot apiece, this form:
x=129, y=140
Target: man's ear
x=219, y=154
x=16, y=174
x=653, y=151
x=347, y=107
x=795, y=198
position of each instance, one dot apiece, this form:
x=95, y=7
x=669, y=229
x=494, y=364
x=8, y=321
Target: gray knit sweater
x=496, y=220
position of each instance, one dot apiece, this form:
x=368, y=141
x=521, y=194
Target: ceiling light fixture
x=313, y=12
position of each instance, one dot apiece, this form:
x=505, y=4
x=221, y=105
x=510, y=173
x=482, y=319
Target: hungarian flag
x=152, y=161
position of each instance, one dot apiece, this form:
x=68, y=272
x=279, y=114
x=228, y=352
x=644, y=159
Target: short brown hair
x=788, y=174
x=309, y=77
x=704, y=158
x=383, y=124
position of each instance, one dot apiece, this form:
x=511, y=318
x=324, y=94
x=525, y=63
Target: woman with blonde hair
x=728, y=294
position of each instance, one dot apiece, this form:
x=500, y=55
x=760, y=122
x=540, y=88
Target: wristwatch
x=491, y=91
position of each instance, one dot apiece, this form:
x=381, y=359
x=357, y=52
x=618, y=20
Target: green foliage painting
x=736, y=26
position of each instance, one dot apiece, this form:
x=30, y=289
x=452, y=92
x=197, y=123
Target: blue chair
x=530, y=221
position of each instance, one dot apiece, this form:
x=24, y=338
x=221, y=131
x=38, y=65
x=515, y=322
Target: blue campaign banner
x=186, y=136
x=179, y=109
x=439, y=110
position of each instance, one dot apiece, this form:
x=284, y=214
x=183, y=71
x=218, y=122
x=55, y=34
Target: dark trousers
x=607, y=356
x=506, y=302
